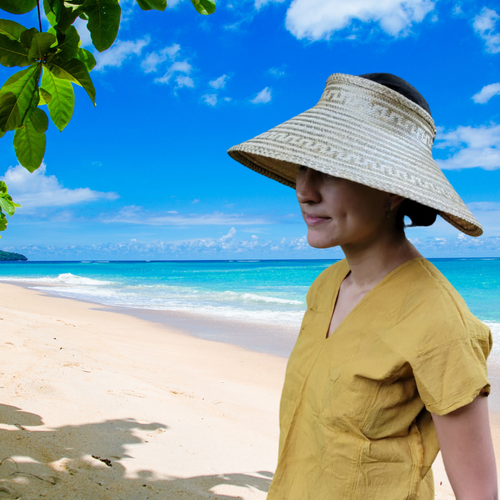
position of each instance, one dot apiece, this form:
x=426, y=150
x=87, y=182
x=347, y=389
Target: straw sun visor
x=367, y=133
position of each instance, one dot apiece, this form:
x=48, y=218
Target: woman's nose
x=307, y=186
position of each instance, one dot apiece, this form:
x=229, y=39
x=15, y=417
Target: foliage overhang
x=53, y=62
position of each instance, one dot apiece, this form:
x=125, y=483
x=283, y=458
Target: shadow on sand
x=84, y=462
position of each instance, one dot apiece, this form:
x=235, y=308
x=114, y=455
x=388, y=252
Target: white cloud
x=210, y=99
x=177, y=67
x=485, y=26
x=260, y=3
x=230, y=246
x=184, y=81
x=487, y=93
x=227, y=245
x=137, y=215
x=154, y=59
x=235, y=26
x=262, y=97
x=37, y=190
x=229, y=235
x=486, y=206
x=219, y=83
x=470, y=147
x=120, y=51
x=319, y=19
x=277, y=72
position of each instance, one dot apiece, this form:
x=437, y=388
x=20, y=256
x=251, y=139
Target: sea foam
x=66, y=278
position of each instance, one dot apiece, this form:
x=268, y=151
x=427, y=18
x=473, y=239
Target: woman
x=390, y=365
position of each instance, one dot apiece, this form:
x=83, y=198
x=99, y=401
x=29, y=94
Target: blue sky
x=145, y=174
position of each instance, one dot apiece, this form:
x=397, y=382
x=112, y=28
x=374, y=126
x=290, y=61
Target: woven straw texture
x=367, y=133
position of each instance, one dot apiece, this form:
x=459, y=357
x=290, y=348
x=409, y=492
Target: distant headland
x=11, y=256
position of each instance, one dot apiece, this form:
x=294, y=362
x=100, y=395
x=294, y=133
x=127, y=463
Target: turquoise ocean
x=253, y=292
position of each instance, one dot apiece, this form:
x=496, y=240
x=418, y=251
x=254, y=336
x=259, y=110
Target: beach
x=99, y=404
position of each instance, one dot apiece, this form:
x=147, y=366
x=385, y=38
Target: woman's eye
x=302, y=168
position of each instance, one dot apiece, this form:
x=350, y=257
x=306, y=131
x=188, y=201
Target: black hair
x=420, y=215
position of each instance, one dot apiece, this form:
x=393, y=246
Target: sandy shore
x=101, y=405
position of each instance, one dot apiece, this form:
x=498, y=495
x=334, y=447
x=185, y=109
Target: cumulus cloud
x=227, y=245
x=485, y=25
x=184, y=81
x=459, y=245
x=177, y=67
x=119, y=52
x=487, y=93
x=319, y=19
x=262, y=97
x=470, y=147
x=39, y=190
x=210, y=99
x=154, y=59
x=219, y=83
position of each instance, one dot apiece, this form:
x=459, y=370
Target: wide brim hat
x=367, y=133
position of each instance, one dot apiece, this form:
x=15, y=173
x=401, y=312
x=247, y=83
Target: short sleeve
x=453, y=374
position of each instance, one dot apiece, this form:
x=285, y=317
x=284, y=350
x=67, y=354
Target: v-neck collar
x=343, y=274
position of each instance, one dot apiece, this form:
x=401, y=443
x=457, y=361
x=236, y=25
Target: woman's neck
x=370, y=263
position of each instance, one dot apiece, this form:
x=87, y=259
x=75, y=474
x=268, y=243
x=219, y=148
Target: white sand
x=177, y=417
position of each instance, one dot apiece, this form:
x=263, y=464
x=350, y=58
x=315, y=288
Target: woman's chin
x=316, y=241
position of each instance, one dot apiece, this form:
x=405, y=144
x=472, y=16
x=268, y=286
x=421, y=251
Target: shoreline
x=257, y=337
x=102, y=404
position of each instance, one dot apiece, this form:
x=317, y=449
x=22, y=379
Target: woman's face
x=340, y=212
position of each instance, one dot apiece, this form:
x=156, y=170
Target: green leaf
x=152, y=4
x=104, y=22
x=11, y=29
x=17, y=6
x=62, y=102
x=27, y=37
x=3, y=222
x=29, y=146
x=39, y=120
x=73, y=70
x=9, y=113
x=87, y=58
x=6, y=202
x=45, y=97
x=12, y=53
x=24, y=85
x=204, y=7
x=7, y=205
x=59, y=14
x=69, y=46
x=49, y=12
x=40, y=46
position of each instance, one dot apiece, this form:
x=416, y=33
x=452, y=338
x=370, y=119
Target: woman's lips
x=315, y=221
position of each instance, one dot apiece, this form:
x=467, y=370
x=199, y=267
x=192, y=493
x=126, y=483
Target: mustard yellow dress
x=355, y=410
